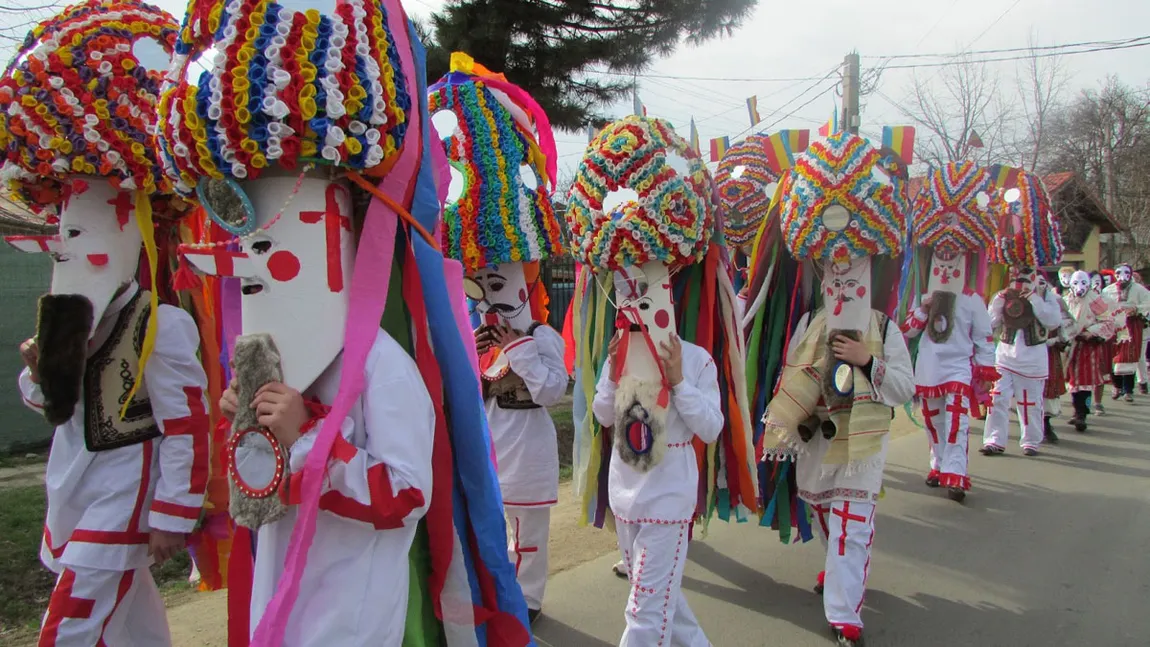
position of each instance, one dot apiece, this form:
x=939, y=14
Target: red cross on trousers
x=956, y=410
x=846, y=515
x=1025, y=408
x=929, y=414
x=519, y=550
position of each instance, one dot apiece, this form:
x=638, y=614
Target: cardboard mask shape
x=947, y=271
x=846, y=286
x=1123, y=274
x=501, y=295
x=1080, y=283
x=295, y=269
x=1066, y=274
x=644, y=302
x=98, y=248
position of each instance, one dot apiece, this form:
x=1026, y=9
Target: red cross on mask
x=332, y=220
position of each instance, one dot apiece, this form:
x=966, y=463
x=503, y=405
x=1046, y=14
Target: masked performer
x=956, y=347
x=847, y=365
x=359, y=442
x=1058, y=340
x=1024, y=314
x=660, y=397
x=1089, y=362
x=1064, y=276
x=499, y=223
x=1132, y=302
x=115, y=371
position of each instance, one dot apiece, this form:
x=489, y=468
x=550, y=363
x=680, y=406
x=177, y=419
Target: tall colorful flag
x=695, y=138
x=1003, y=176
x=719, y=146
x=832, y=125
x=638, y=107
x=900, y=139
x=753, y=110
x=591, y=132
x=784, y=145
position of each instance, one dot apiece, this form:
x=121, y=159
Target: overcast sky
x=788, y=39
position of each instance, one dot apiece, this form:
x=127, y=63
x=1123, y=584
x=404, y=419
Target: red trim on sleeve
x=386, y=512
x=57, y=553
x=196, y=425
x=988, y=373
x=342, y=450
x=141, y=494
x=176, y=510
x=517, y=343
x=32, y=404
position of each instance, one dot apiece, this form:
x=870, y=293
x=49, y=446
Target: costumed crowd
x=298, y=325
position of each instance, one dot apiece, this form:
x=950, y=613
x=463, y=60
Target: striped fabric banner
x=695, y=138
x=832, y=125
x=637, y=105
x=900, y=139
x=753, y=111
x=784, y=145
x=719, y=146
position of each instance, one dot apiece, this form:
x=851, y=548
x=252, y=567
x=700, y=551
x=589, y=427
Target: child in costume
x=1024, y=314
x=1133, y=302
x=111, y=367
x=847, y=365
x=1089, y=363
x=376, y=477
x=661, y=397
x=953, y=226
x=500, y=224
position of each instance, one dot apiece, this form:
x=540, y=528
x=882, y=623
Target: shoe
x=1099, y=410
x=821, y=582
x=932, y=479
x=533, y=615
x=848, y=636
x=1129, y=397
x=1144, y=388
x=1115, y=394
x=1050, y=437
x=1079, y=424
x=956, y=494
x=620, y=569
x=1029, y=451
x=991, y=450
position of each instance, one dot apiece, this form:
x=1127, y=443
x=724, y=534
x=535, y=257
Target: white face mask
x=1065, y=275
x=501, y=295
x=98, y=248
x=947, y=272
x=1024, y=278
x=643, y=298
x=1096, y=283
x=295, y=272
x=1123, y=274
x=847, y=294
x=1080, y=284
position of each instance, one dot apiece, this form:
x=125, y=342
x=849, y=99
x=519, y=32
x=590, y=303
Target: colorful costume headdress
x=947, y=212
x=1028, y=234
x=290, y=90
x=743, y=181
x=672, y=224
x=503, y=152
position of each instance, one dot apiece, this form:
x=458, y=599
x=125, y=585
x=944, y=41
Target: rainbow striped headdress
x=502, y=155
x=742, y=181
x=1028, y=232
x=947, y=213
x=839, y=201
x=672, y=220
x=285, y=87
x=79, y=98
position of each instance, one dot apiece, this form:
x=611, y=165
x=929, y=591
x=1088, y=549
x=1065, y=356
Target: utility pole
x=851, y=76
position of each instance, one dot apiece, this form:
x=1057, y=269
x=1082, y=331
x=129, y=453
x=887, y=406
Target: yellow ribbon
x=147, y=233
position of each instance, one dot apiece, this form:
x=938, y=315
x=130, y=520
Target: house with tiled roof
x=1082, y=217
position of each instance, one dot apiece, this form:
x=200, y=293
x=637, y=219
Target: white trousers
x=1027, y=393
x=105, y=608
x=947, y=430
x=847, y=532
x=657, y=613
x=1143, y=376
x=528, y=530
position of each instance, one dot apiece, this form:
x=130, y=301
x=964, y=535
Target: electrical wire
x=1023, y=58
x=1008, y=50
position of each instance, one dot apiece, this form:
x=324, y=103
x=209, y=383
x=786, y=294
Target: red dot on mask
x=522, y=295
x=956, y=274
x=662, y=319
x=283, y=266
x=861, y=292
x=99, y=260
x=936, y=271
x=830, y=292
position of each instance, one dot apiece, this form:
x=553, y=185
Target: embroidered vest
x=1018, y=314
x=509, y=391
x=108, y=378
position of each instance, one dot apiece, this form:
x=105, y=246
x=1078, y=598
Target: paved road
x=1052, y=550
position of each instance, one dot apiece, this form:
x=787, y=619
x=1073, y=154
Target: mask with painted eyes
x=1024, y=279
x=1080, y=283
x=501, y=295
x=947, y=271
x=644, y=302
x=294, y=266
x=1096, y=282
x=1065, y=275
x=1123, y=274
x=98, y=248
x=846, y=290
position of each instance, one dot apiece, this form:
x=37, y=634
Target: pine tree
x=551, y=48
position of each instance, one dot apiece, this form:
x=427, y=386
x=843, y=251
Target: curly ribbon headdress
x=742, y=180
x=1028, y=231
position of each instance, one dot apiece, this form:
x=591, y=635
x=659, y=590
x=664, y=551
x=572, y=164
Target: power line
x=710, y=78
x=1022, y=58
x=1008, y=50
